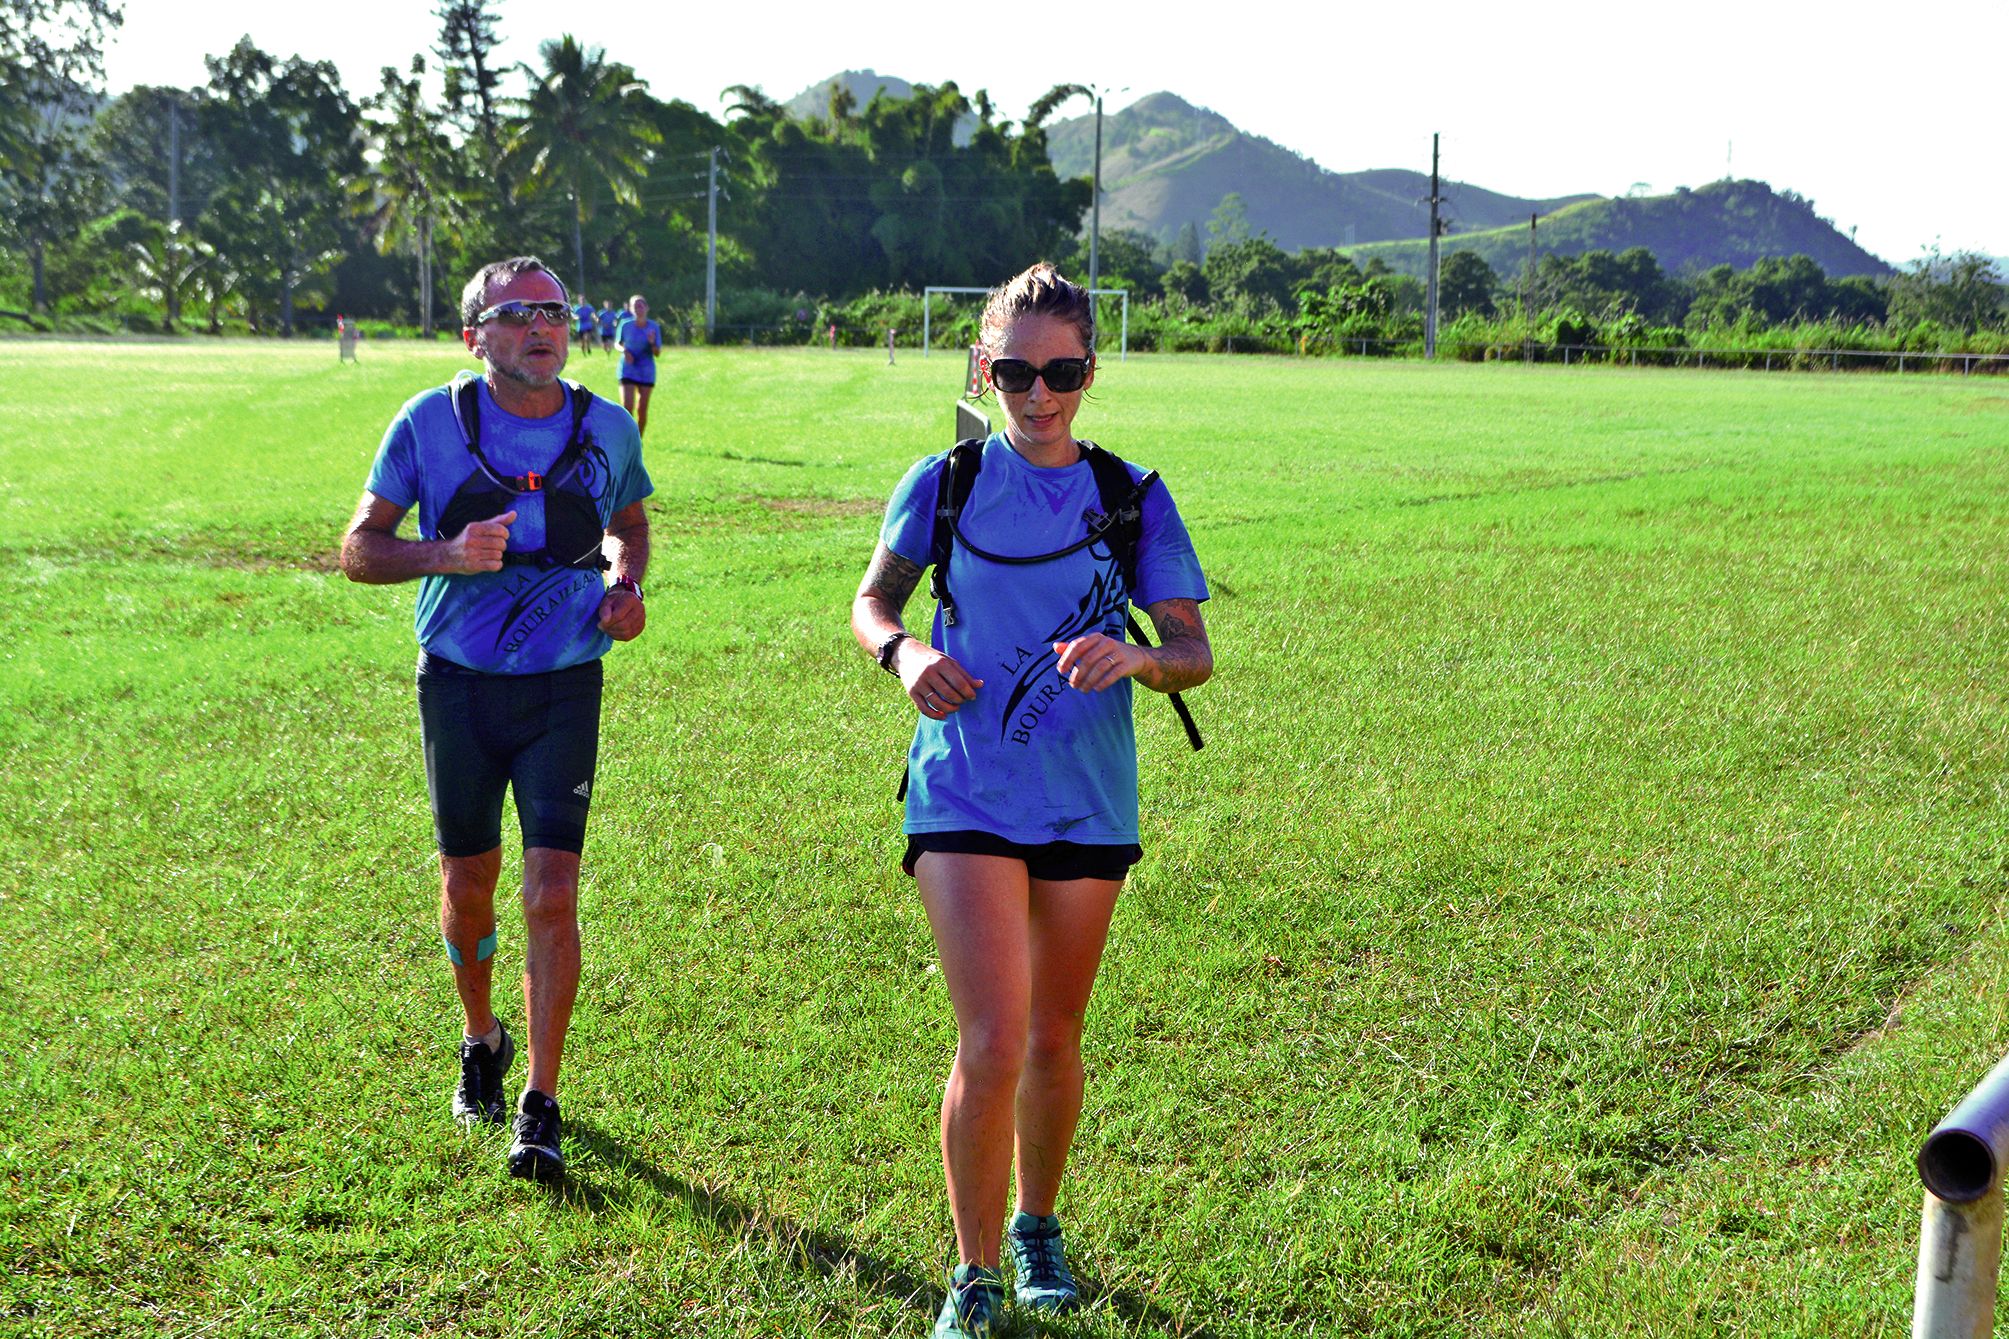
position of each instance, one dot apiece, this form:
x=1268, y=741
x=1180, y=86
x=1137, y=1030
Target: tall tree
x=51, y=60
x=296, y=139
x=49, y=50
x=472, y=70
x=411, y=190
x=1961, y=291
x=1465, y=282
x=586, y=126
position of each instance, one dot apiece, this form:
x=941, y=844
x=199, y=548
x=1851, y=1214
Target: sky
x=1886, y=129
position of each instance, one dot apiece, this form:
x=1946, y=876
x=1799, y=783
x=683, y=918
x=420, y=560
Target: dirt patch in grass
x=820, y=506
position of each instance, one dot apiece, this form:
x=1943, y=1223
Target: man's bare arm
x=628, y=544
x=373, y=554
x=1183, y=657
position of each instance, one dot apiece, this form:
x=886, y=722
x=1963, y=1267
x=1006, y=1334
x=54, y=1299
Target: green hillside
x=1724, y=223
x=1166, y=163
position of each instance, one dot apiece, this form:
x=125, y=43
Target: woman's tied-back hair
x=474, y=298
x=1039, y=291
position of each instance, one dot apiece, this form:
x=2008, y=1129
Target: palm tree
x=410, y=191
x=585, y=124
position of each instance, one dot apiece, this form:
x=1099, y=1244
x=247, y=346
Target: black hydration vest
x=572, y=526
x=1120, y=525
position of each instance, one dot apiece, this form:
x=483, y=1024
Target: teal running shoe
x=1039, y=1257
x=976, y=1297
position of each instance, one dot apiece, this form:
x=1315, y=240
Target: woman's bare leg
x=1069, y=923
x=977, y=909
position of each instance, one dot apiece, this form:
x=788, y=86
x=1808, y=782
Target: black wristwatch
x=629, y=584
x=887, y=648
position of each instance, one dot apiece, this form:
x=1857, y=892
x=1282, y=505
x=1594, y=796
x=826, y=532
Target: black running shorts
x=1049, y=862
x=487, y=733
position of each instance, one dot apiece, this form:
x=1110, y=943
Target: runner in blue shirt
x=610, y=317
x=527, y=490
x=587, y=317
x=1022, y=804
x=641, y=340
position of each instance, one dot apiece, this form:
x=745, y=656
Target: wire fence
x=1610, y=355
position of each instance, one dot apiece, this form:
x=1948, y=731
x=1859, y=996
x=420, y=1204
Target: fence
x=1767, y=360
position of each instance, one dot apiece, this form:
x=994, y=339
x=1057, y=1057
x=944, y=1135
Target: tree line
x=271, y=195
x=271, y=190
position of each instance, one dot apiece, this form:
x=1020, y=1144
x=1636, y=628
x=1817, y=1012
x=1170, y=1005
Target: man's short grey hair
x=474, y=298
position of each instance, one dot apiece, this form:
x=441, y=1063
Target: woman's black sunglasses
x=523, y=313
x=1061, y=375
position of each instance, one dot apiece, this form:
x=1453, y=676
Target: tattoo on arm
x=1183, y=657
x=890, y=578
x=888, y=585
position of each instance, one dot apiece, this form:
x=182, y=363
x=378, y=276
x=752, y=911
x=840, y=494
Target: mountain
x=813, y=103
x=1724, y=223
x=1166, y=163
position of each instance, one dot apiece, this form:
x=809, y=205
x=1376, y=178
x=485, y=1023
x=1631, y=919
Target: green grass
x=1589, y=894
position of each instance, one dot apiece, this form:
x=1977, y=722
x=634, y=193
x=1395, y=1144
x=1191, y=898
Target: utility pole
x=1095, y=205
x=172, y=279
x=711, y=250
x=1527, y=282
x=1430, y=319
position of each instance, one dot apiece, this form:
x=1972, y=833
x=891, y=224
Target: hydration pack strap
x=467, y=414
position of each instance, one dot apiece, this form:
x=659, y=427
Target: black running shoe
x=535, y=1155
x=479, y=1099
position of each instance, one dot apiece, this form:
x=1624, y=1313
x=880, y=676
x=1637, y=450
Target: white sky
x=1883, y=117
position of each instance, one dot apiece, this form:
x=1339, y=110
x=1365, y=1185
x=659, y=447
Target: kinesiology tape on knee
x=482, y=951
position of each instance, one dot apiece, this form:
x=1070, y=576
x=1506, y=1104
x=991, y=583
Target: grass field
x=1589, y=894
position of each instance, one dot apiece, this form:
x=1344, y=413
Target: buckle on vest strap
x=532, y=482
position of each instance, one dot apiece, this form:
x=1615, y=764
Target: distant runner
x=641, y=340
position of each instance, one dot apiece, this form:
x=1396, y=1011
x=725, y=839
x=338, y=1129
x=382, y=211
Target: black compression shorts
x=486, y=733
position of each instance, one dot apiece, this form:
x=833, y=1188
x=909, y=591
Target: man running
x=528, y=488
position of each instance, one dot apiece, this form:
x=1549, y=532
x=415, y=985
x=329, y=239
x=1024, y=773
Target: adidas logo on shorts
x=584, y=790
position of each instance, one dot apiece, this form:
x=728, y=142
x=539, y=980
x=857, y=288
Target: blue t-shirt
x=1031, y=759
x=639, y=338
x=608, y=320
x=584, y=311
x=524, y=619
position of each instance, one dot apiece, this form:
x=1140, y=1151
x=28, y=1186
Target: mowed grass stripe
x=1596, y=759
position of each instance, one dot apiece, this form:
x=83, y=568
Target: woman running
x=641, y=340
x=1021, y=817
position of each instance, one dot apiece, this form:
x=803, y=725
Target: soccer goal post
x=1123, y=336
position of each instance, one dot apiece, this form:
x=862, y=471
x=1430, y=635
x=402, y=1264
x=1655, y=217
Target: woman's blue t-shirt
x=523, y=619
x=641, y=339
x=1030, y=759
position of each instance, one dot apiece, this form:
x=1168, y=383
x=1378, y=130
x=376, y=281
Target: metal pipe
x=1964, y=1157
x=1959, y=1259
x=1960, y=1232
